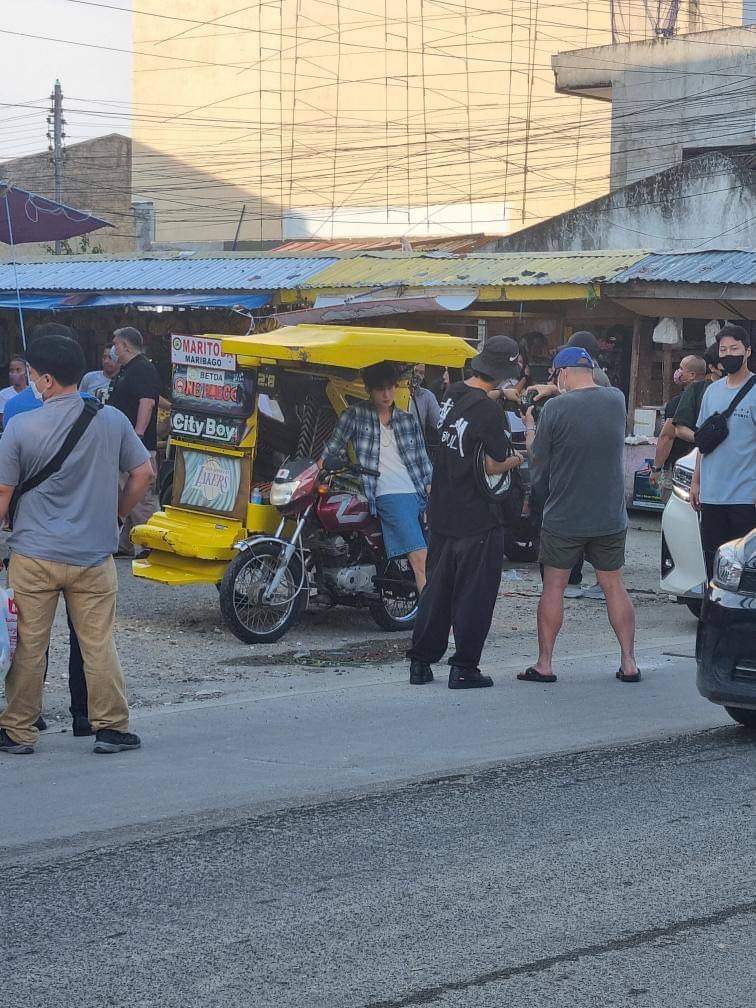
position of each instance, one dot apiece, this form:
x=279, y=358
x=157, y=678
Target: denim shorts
x=399, y=515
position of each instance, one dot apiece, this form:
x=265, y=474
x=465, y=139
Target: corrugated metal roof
x=726, y=267
x=517, y=269
x=458, y=244
x=102, y=274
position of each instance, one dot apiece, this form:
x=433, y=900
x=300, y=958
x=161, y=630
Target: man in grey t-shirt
x=578, y=452
x=64, y=533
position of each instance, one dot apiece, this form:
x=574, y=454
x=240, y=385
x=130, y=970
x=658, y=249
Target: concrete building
x=315, y=118
x=96, y=178
x=683, y=155
x=671, y=98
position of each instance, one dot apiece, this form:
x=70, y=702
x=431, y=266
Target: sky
x=96, y=83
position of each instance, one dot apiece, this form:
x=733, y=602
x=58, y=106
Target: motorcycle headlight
x=728, y=566
x=283, y=493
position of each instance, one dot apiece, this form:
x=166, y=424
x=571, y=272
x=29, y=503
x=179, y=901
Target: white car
x=683, y=571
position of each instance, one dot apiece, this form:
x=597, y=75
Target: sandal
x=533, y=675
x=629, y=678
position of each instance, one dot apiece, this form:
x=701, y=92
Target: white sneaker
x=595, y=592
x=573, y=591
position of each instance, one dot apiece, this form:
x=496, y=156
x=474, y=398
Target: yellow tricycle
x=247, y=508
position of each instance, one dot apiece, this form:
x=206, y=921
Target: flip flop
x=629, y=678
x=533, y=675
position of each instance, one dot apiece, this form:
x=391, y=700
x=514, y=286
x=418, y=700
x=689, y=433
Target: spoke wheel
x=395, y=611
x=245, y=611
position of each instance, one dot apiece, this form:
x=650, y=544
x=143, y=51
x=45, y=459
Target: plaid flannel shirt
x=359, y=426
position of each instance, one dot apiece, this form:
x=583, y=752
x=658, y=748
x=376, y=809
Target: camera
x=528, y=399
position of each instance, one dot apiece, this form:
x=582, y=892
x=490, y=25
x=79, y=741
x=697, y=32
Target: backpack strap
x=91, y=408
x=742, y=393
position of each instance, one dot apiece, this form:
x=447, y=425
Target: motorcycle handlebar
x=355, y=470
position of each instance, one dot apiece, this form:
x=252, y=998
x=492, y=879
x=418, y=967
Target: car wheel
x=743, y=715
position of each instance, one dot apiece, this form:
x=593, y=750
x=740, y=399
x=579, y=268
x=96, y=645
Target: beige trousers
x=90, y=594
x=142, y=512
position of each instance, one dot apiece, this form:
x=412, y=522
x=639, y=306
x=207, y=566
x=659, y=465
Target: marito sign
x=202, y=351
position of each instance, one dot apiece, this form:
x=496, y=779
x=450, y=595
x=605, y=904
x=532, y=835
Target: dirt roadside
x=174, y=648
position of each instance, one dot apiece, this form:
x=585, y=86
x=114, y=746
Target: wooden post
x=667, y=372
x=632, y=392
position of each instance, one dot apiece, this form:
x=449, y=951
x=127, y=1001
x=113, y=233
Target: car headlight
x=681, y=481
x=728, y=566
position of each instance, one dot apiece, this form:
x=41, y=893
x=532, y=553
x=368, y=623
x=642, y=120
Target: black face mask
x=733, y=364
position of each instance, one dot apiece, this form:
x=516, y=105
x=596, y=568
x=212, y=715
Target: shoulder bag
x=91, y=408
x=714, y=430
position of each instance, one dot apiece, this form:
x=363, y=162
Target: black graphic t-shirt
x=457, y=508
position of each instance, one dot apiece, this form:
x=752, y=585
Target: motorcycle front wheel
x=244, y=611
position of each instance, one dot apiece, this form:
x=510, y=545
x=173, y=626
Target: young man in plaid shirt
x=390, y=442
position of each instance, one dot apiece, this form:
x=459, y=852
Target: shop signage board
x=221, y=430
x=201, y=351
x=211, y=390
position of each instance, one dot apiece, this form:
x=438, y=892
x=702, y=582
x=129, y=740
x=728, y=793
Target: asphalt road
x=619, y=876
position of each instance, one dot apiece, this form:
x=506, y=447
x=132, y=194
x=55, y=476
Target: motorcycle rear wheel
x=394, y=613
x=241, y=604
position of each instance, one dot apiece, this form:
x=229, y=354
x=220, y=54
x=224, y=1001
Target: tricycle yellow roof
x=349, y=346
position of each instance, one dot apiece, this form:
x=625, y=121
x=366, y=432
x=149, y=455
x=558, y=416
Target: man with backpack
x=63, y=461
x=724, y=482
x=466, y=541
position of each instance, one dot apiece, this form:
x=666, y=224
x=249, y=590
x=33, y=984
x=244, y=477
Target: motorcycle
x=333, y=554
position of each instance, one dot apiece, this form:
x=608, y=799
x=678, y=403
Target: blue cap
x=573, y=356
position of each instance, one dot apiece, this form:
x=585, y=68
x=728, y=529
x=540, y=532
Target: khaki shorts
x=605, y=553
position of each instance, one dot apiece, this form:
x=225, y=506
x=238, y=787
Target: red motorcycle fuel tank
x=341, y=511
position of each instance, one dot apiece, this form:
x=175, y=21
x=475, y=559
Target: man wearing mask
x=724, y=483
x=578, y=452
x=669, y=447
x=135, y=391
x=689, y=406
x=18, y=380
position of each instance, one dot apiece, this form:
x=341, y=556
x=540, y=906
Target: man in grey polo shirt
x=64, y=534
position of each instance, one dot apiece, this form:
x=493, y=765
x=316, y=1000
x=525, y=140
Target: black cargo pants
x=463, y=583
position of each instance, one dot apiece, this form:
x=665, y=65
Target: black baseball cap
x=499, y=359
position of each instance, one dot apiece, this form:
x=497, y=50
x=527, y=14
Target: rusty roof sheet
x=456, y=244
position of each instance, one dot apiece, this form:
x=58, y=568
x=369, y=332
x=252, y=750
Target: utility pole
x=56, y=136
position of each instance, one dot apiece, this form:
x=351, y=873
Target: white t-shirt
x=5, y=395
x=394, y=478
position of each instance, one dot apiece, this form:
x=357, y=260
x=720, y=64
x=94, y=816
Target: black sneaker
x=461, y=678
x=81, y=726
x=40, y=724
x=420, y=673
x=110, y=741
x=17, y=748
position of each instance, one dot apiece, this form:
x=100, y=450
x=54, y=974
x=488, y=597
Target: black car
x=726, y=642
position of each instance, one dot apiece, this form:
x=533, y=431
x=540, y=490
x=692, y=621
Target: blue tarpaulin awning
x=69, y=302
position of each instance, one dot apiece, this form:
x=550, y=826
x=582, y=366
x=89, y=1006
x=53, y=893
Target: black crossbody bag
x=714, y=430
x=91, y=408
